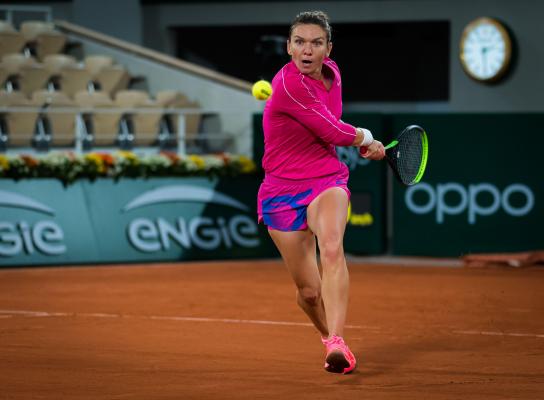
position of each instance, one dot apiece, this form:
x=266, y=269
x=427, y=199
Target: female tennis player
x=304, y=195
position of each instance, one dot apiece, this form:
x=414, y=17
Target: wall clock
x=485, y=50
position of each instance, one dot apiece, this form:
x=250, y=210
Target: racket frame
x=424, y=155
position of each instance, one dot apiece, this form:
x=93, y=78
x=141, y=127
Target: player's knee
x=331, y=250
x=309, y=295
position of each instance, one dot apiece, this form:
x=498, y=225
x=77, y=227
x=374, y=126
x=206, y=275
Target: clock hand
x=484, y=60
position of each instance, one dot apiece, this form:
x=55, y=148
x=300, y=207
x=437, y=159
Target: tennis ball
x=261, y=90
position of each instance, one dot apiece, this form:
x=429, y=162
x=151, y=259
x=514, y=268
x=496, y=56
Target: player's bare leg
x=298, y=250
x=327, y=216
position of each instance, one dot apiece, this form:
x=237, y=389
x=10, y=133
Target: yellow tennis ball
x=261, y=90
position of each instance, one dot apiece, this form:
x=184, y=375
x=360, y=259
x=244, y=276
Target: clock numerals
x=485, y=49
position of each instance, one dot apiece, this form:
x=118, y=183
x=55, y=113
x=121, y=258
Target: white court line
x=168, y=318
x=11, y=313
x=488, y=333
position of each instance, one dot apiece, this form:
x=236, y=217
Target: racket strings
x=409, y=155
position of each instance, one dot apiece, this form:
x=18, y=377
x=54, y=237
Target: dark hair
x=312, y=17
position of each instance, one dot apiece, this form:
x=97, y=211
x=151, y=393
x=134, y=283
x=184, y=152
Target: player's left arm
x=301, y=104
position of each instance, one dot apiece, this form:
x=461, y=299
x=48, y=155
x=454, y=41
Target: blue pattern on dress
x=270, y=204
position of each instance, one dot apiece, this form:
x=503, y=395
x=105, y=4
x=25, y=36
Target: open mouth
x=306, y=62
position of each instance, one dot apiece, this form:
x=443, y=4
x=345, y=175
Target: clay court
x=232, y=330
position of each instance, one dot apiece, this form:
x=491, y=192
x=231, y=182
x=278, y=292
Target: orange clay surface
x=232, y=330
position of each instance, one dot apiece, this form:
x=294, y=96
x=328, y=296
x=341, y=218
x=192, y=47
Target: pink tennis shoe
x=339, y=358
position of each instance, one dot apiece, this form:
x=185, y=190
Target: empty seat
x=42, y=38
x=74, y=79
x=9, y=99
x=111, y=79
x=92, y=99
x=143, y=112
x=9, y=70
x=56, y=62
x=98, y=111
x=11, y=41
x=94, y=63
x=132, y=98
x=6, y=26
x=20, y=116
x=60, y=112
x=96, y=73
x=24, y=74
x=175, y=99
x=14, y=60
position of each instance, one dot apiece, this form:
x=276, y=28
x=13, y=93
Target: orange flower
x=107, y=159
x=225, y=157
x=29, y=161
x=173, y=157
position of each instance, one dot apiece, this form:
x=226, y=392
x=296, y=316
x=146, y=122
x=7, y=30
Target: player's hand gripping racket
x=407, y=155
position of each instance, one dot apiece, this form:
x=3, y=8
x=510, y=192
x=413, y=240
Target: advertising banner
x=42, y=222
x=177, y=219
x=132, y=220
x=483, y=189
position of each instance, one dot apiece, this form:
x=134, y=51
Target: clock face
x=485, y=49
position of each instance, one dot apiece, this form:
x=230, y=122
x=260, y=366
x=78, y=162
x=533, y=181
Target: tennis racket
x=407, y=155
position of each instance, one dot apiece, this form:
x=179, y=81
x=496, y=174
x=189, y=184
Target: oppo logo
x=483, y=199
x=44, y=236
x=153, y=235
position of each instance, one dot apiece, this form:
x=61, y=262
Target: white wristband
x=368, y=139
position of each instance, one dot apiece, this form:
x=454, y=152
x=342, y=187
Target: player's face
x=308, y=47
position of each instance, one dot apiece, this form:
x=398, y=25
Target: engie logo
x=44, y=236
x=469, y=200
x=199, y=231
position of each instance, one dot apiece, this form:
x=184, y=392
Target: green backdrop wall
x=483, y=189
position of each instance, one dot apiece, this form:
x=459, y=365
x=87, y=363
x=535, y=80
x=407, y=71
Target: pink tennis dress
x=302, y=126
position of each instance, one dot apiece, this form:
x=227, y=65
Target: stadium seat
x=94, y=63
x=20, y=125
x=96, y=73
x=111, y=79
x=42, y=38
x=56, y=64
x=11, y=41
x=132, y=98
x=6, y=26
x=33, y=77
x=144, y=113
x=9, y=70
x=87, y=99
x=20, y=73
x=61, y=124
x=175, y=99
x=104, y=125
x=74, y=79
